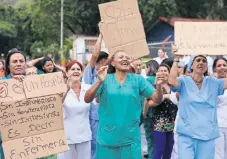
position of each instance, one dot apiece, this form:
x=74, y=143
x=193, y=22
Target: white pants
x=77, y=151
x=175, y=147
x=221, y=145
x=143, y=140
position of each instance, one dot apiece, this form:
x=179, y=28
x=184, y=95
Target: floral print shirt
x=164, y=115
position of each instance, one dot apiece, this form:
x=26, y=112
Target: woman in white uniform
x=220, y=70
x=76, y=115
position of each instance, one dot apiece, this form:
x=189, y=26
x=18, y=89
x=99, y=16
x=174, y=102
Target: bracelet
x=176, y=60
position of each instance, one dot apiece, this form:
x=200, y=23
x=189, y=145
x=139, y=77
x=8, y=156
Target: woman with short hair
x=76, y=115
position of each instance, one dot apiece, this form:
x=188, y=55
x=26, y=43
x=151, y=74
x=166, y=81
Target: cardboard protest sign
x=33, y=86
x=35, y=146
x=123, y=28
x=33, y=128
x=201, y=38
x=11, y=90
x=30, y=117
x=42, y=85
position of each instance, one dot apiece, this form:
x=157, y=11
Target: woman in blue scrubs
x=197, y=125
x=119, y=94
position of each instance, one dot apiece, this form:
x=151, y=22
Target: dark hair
x=206, y=73
x=102, y=55
x=198, y=56
x=41, y=63
x=112, y=69
x=153, y=66
x=185, y=69
x=165, y=65
x=216, y=61
x=71, y=63
x=7, y=61
x=168, y=62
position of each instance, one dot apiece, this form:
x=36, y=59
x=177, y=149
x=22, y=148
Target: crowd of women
x=179, y=104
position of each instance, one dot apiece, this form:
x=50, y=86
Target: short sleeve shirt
x=198, y=107
x=89, y=77
x=120, y=109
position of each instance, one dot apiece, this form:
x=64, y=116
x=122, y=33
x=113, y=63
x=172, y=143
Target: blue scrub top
x=198, y=107
x=89, y=77
x=120, y=109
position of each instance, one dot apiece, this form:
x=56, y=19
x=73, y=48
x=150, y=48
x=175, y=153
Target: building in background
x=83, y=46
x=159, y=35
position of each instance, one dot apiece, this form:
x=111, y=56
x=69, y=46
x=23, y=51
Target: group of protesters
x=112, y=110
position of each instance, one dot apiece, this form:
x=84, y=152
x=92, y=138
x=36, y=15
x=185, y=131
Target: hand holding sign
x=3, y=90
x=20, y=78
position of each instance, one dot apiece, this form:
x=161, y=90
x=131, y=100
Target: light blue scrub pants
x=189, y=148
x=94, y=128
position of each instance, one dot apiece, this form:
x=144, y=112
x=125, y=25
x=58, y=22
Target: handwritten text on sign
x=123, y=28
x=36, y=146
x=42, y=85
x=33, y=86
x=11, y=90
x=30, y=117
x=204, y=38
x=32, y=128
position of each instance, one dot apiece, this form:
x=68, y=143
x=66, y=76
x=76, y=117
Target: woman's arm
x=62, y=69
x=148, y=104
x=90, y=94
x=172, y=80
x=96, y=52
x=158, y=95
x=33, y=62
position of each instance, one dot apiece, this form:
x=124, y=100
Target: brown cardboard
x=31, y=117
x=36, y=146
x=123, y=28
x=42, y=124
x=201, y=38
x=42, y=85
x=13, y=90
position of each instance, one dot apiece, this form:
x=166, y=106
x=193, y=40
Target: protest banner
x=42, y=85
x=32, y=86
x=11, y=90
x=201, y=38
x=36, y=146
x=32, y=128
x=122, y=28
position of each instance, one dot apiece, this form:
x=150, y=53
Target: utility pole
x=62, y=32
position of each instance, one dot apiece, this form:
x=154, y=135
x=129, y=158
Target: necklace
x=197, y=82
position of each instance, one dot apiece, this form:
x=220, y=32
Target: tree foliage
x=33, y=24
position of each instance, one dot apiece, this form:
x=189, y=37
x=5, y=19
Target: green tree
x=151, y=10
